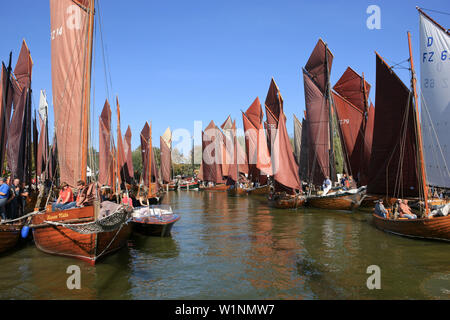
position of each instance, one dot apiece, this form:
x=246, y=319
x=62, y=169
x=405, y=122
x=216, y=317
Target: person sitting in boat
x=344, y=181
x=351, y=183
x=4, y=195
x=380, y=210
x=65, y=199
x=126, y=200
x=85, y=196
x=326, y=186
x=405, y=211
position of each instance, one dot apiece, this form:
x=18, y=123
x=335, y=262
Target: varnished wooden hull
x=433, y=229
x=263, y=190
x=155, y=226
x=237, y=192
x=287, y=202
x=221, y=187
x=336, y=202
x=62, y=241
x=9, y=236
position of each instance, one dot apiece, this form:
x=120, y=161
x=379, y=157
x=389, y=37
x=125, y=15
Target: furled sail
x=166, y=156
x=71, y=42
x=128, y=153
x=393, y=169
x=42, y=149
x=435, y=99
x=7, y=93
x=105, y=155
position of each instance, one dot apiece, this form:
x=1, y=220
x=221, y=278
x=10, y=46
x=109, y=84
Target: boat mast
x=87, y=93
x=150, y=153
x=420, y=158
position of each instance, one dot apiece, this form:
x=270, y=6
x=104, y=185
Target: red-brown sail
x=351, y=86
x=128, y=152
x=121, y=160
x=316, y=65
x=274, y=106
x=317, y=113
x=71, y=41
x=6, y=95
x=285, y=167
x=393, y=169
x=212, y=169
x=368, y=138
x=145, y=152
x=104, y=154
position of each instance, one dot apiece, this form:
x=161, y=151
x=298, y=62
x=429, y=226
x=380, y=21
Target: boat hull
x=62, y=241
x=9, y=236
x=433, y=229
x=155, y=226
x=237, y=192
x=287, y=202
x=221, y=187
x=263, y=190
x=193, y=186
x=336, y=202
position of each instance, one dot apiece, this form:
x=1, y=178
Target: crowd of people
x=13, y=198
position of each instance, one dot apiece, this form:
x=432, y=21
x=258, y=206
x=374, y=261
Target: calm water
x=238, y=248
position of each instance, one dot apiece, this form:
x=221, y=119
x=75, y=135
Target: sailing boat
x=91, y=232
x=323, y=148
x=287, y=187
x=165, y=143
x=398, y=167
x=151, y=219
x=211, y=167
x=259, y=162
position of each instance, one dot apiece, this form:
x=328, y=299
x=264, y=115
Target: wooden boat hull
x=262, y=190
x=173, y=187
x=336, y=202
x=62, y=241
x=287, y=202
x=237, y=192
x=437, y=228
x=155, y=226
x=221, y=187
x=9, y=236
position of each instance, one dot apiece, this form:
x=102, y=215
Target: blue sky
x=174, y=62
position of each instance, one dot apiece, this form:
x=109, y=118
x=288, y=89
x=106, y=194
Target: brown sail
x=121, y=159
x=212, y=146
x=393, y=169
x=128, y=152
x=351, y=86
x=317, y=113
x=18, y=136
x=166, y=161
x=71, y=64
x=104, y=154
x=368, y=138
x=145, y=153
x=274, y=106
x=304, y=164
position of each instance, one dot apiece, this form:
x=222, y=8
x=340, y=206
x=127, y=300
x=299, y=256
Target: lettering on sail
x=56, y=33
x=344, y=121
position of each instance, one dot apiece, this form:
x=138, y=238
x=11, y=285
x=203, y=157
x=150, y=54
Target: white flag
x=43, y=106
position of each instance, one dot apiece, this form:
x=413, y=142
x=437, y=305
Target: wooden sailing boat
x=165, y=144
x=211, y=168
x=259, y=162
x=402, y=170
x=320, y=116
x=151, y=219
x=81, y=233
x=287, y=187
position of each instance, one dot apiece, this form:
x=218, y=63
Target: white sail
x=435, y=100
x=43, y=105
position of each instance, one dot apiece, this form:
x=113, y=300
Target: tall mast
x=420, y=158
x=87, y=92
x=150, y=153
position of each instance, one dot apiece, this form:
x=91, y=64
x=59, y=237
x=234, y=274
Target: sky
x=176, y=62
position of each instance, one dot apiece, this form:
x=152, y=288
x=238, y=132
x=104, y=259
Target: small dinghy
x=154, y=220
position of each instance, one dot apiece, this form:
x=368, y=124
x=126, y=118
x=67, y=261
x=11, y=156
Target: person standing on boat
x=344, y=181
x=65, y=199
x=24, y=193
x=11, y=207
x=405, y=210
x=16, y=203
x=380, y=210
x=4, y=195
x=326, y=185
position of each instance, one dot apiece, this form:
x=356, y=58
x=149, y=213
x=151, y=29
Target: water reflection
x=238, y=248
